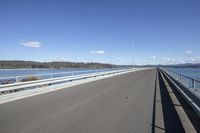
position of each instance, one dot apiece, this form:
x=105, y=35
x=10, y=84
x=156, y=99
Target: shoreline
x=49, y=68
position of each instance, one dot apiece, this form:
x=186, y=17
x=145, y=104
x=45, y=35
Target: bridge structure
x=119, y=101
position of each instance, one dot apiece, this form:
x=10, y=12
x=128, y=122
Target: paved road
x=121, y=104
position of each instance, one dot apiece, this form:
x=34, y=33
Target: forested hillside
x=56, y=64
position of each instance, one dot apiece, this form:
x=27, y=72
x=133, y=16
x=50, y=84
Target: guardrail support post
x=193, y=83
x=17, y=79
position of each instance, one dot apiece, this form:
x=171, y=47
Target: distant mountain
x=196, y=65
x=54, y=65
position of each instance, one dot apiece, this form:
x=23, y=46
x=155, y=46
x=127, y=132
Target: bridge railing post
x=193, y=83
x=17, y=79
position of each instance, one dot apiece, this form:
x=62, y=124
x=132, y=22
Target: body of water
x=24, y=72
x=190, y=72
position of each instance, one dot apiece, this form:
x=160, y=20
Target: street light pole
x=133, y=60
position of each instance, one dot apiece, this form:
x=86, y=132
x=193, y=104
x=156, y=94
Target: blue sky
x=109, y=31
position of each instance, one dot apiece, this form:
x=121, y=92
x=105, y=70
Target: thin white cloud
x=31, y=44
x=187, y=57
x=119, y=59
x=167, y=59
x=97, y=52
x=152, y=58
x=188, y=52
x=63, y=59
x=179, y=60
x=59, y=59
x=194, y=60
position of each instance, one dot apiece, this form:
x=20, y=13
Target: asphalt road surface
x=120, y=104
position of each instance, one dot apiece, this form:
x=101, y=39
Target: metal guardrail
x=48, y=82
x=189, y=94
x=188, y=81
x=17, y=79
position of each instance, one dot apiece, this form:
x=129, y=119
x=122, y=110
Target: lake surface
x=190, y=72
x=24, y=72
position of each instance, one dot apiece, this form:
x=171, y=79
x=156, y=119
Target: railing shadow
x=194, y=118
x=172, y=122
x=171, y=119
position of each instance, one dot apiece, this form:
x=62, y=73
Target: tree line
x=51, y=65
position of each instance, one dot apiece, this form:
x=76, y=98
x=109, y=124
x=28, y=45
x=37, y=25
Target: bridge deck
x=122, y=103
